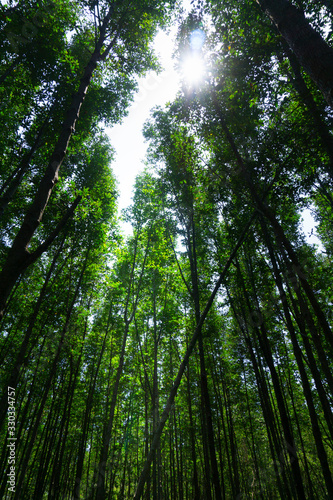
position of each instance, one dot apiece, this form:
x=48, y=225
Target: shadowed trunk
x=310, y=48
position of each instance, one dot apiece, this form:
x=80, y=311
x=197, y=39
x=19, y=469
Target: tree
x=313, y=53
x=112, y=35
x=192, y=358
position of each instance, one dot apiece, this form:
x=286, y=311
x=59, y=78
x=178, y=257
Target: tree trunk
x=261, y=333
x=89, y=406
x=168, y=406
x=18, y=256
x=23, y=167
x=47, y=388
x=206, y=406
x=21, y=356
x=196, y=495
x=281, y=237
x=100, y=490
x=306, y=96
x=312, y=52
x=305, y=381
x=267, y=409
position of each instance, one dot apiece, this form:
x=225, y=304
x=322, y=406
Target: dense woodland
x=192, y=359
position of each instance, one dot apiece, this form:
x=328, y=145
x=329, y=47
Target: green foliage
x=95, y=331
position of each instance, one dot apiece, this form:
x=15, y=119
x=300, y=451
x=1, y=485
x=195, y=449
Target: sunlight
x=193, y=69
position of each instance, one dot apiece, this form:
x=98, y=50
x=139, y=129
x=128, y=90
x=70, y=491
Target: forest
x=191, y=359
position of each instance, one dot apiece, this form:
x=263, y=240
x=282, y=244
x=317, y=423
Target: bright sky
x=127, y=138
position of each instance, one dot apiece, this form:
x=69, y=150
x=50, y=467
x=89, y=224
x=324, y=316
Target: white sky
x=127, y=138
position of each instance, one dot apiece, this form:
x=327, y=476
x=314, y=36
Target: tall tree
x=116, y=28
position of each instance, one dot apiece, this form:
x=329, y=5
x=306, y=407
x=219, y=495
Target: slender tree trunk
x=253, y=444
x=168, y=406
x=196, y=495
x=21, y=356
x=47, y=387
x=265, y=210
x=305, y=94
x=218, y=379
x=322, y=455
x=16, y=180
x=230, y=438
x=262, y=337
x=100, y=490
x=206, y=406
x=157, y=459
x=311, y=50
x=58, y=467
x=48, y=438
x=311, y=362
x=267, y=409
x=84, y=431
x=311, y=494
x=18, y=258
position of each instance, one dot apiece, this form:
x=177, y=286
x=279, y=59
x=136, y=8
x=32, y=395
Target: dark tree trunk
x=311, y=50
x=21, y=356
x=128, y=318
x=58, y=465
x=273, y=433
x=84, y=431
x=19, y=258
x=34, y=430
x=196, y=495
x=100, y=491
x=286, y=425
x=311, y=361
x=306, y=96
x=206, y=406
x=322, y=455
x=280, y=235
x=16, y=180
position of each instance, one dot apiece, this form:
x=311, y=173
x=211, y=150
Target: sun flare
x=193, y=69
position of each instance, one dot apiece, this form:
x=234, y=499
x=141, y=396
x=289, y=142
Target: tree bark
x=87, y=413
x=264, y=209
x=21, y=356
x=23, y=167
x=207, y=422
x=100, y=490
x=25, y=459
x=306, y=96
